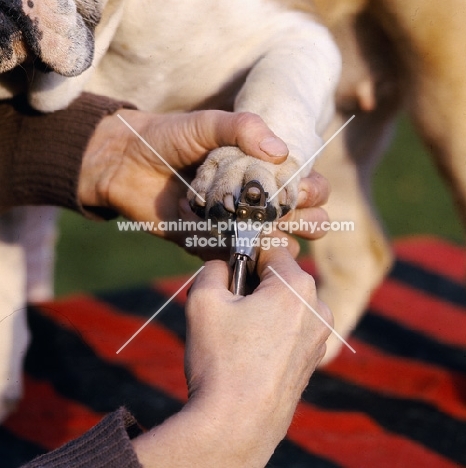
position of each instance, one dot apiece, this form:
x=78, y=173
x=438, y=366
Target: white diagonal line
x=161, y=308
x=160, y=157
x=311, y=159
x=314, y=311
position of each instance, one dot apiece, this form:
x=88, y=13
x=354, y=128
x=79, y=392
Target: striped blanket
x=400, y=401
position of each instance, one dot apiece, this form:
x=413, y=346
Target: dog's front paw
x=219, y=181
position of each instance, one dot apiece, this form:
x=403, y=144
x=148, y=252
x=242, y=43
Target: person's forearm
x=232, y=434
x=105, y=445
x=41, y=154
x=9, y=131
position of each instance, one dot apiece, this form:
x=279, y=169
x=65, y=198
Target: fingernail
x=302, y=198
x=274, y=147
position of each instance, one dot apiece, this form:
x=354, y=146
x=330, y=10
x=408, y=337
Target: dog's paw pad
x=198, y=210
x=271, y=213
x=218, y=212
x=284, y=210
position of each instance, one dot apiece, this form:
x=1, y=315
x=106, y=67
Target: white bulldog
x=259, y=56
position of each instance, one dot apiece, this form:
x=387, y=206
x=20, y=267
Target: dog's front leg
x=291, y=86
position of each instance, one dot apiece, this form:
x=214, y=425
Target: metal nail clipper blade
x=250, y=217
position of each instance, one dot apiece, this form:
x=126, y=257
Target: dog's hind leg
x=352, y=261
x=351, y=264
x=437, y=89
x=27, y=238
x=38, y=239
x=14, y=335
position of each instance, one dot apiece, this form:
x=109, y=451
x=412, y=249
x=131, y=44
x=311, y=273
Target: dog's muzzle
x=53, y=39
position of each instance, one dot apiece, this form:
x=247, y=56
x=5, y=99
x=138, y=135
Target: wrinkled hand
x=255, y=353
x=247, y=361
x=226, y=332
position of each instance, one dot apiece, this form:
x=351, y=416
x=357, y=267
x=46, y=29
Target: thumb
x=214, y=276
x=245, y=130
x=277, y=261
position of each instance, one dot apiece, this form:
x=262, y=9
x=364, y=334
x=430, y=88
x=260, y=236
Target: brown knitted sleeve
x=40, y=154
x=106, y=445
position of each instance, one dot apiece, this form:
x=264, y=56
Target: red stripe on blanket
x=168, y=287
x=355, y=441
x=421, y=311
x=308, y=266
x=402, y=378
x=155, y=355
x=46, y=418
x=434, y=254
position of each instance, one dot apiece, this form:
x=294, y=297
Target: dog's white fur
x=164, y=57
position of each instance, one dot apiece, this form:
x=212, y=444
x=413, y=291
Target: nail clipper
x=250, y=217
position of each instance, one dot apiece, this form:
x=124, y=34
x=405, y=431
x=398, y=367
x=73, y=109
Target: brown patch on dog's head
x=57, y=35
x=12, y=46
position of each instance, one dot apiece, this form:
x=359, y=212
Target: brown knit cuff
x=47, y=158
x=106, y=445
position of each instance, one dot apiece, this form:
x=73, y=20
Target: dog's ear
x=13, y=50
x=58, y=34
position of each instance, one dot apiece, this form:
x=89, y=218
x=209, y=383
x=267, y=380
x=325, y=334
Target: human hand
x=314, y=191
x=119, y=171
x=272, y=319
x=247, y=360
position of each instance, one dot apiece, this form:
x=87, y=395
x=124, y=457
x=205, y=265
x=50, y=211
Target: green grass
x=409, y=195
x=94, y=256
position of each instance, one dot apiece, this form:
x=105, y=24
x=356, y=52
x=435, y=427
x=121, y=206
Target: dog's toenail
x=200, y=200
x=229, y=202
x=253, y=194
